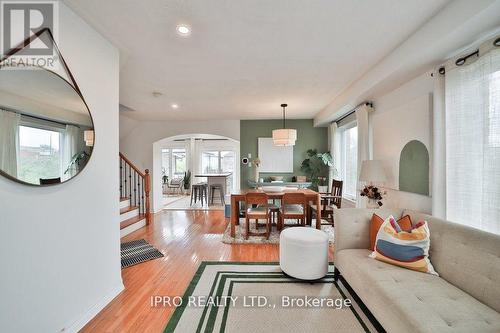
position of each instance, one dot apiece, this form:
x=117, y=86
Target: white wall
x=137, y=145
x=60, y=249
x=400, y=116
x=456, y=25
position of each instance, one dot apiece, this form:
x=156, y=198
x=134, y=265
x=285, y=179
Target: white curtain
x=363, y=146
x=439, y=148
x=334, y=148
x=9, y=141
x=473, y=143
x=69, y=149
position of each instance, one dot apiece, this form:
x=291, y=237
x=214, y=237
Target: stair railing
x=136, y=186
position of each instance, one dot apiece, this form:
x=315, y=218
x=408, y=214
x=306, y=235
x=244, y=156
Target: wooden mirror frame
x=72, y=84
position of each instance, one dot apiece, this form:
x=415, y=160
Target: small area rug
x=257, y=298
x=137, y=251
x=184, y=203
x=274, y=238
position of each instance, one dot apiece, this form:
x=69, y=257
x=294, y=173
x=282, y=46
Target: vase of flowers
x=374, y=196
x=256, y=165
x=322, y=185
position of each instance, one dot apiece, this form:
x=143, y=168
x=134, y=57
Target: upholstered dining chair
x=293, y=206
x=258, y=209
x=331, y=201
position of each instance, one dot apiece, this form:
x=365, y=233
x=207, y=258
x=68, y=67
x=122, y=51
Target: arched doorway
x=198, y=153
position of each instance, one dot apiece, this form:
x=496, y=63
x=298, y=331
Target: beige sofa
x=464, y=298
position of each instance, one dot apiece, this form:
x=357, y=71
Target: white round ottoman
x=304, y=253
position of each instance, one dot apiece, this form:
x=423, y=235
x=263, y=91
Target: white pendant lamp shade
x=88, y=137
x=284, y=136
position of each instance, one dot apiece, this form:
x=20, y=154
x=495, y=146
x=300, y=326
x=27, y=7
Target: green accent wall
x=308, y=137
x=414, y=168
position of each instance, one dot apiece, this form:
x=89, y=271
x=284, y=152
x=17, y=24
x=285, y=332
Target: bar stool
x=217, y=187
x=199, y=192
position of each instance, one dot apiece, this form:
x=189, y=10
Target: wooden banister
x=147, y=190
x=136, y=186
x=123, y=157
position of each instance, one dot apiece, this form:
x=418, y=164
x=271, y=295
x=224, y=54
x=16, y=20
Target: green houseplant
x=316, y=167
x=77, y=162
x=164, y=177
x=187, y=179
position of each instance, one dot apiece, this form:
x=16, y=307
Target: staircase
x=135, y=188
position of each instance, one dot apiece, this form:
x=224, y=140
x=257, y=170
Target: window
x=39, y=154
x=219, y=161
x=173, y=162
x=472, y=95
x=348, y=160
x=210, y=162
x=179, y=162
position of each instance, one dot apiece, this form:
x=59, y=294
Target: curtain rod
x=199, y=139
x=370, y=104
x=37, y=117
x=462, y=60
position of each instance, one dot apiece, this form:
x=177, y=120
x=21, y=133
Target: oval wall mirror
x=46, y=130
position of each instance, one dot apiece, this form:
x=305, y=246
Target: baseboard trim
x=94, y=310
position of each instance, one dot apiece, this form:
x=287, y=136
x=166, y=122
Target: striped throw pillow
x=406, y=249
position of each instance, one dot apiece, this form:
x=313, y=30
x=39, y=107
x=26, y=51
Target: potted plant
x=164, y=177
x=76, y=163
x=187, y=180
x=316, y=166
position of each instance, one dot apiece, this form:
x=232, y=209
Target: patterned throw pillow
x=376, y=222
x=406, y=249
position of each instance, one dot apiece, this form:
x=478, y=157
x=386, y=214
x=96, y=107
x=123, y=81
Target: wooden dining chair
x=330, y=202
x=50, y=181
x=258, y=209
x=293, y=206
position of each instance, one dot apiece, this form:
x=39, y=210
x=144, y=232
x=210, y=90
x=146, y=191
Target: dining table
x=239, y=196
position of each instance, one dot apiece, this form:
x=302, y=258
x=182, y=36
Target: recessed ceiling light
x=183, y=30
x=174, y=106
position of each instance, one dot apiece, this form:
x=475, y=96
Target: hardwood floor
x=186, y=238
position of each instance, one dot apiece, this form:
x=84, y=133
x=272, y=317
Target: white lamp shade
x=372, y=171
x=284, y=137
x=88, y=136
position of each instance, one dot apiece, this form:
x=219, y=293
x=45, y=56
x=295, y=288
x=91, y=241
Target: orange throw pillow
x=375, y=224
x=404, y=223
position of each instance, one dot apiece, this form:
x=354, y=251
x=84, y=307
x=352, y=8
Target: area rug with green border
x=259, y=297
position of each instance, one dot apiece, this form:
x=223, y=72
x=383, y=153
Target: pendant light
x=284, y=136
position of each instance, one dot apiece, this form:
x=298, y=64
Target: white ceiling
x=41, y=87
x=244, y=58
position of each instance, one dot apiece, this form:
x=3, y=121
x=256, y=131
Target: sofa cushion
x=406, y=249
x=466, y=257
x=406, y=301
